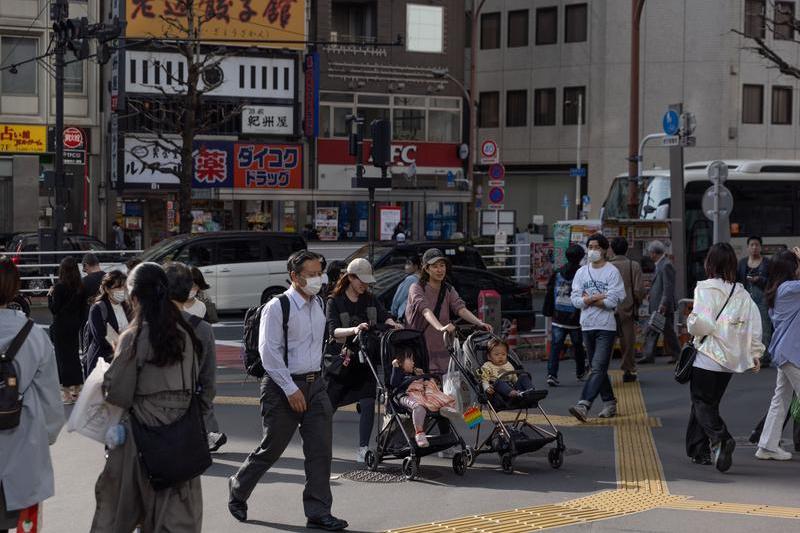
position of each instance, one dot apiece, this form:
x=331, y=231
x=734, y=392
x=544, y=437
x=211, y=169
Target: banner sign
x=268, y=166
x=23, y=139
x=213, y=164
x=256, y=22
x=311, y=110
x=268, y=119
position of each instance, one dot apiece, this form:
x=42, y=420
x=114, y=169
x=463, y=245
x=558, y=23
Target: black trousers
x=795, y=430
x=706, y=427
x=279, y=424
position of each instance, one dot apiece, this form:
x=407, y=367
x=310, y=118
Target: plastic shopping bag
x=454, y=384
x=92, y=415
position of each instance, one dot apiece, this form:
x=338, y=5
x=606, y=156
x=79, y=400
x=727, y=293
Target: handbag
x=683, y=367
x=176, y=452
x=92, y=415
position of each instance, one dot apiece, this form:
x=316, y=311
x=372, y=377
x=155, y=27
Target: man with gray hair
x=179, y=278
x=662, y=301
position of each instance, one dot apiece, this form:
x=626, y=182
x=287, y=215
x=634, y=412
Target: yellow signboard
x=267, y=23
x=23, y=138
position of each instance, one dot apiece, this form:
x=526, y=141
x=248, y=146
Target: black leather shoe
x=755, y=436
x=646, y=361
x=702, y=459
x=237, y=507
x=328, y=523
x=629, y=377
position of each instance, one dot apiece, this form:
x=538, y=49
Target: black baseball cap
x=432, y=255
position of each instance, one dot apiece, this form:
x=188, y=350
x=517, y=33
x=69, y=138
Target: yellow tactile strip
x=772, y=511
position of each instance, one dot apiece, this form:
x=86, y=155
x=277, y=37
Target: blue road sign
x=497, y=171
x=671, y=122
x=576, y=172
x=451, y=179
x=496, y=195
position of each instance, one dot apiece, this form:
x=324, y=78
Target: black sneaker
x=702, y=459
x=723, y=455
x=583, y=376
x=629, y=377
x=552, y=381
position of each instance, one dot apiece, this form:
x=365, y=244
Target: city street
x=629, y=473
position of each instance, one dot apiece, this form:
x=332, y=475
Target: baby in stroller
x=504, y=386
x=418, y=393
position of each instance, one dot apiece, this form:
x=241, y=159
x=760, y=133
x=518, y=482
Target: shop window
x=784, y=21
x=547, y=25
x=518, y=28
x=409, y=101
x=490, y=31
x=354, y=22
x=575, y=17
x=445, y=103
x=409, y=124
x=782, y=105
x=544, y=107
x=572, y=101
x=424, y=28
x=340, y=121
x=516, y=109
x=373, y=99
x=753, y=104
x=335, y=97
x=754, y=21
x=324, y=121
x=444, y=126
x=489, y=110
x=15, y=50
x=244, y=251
x=370, y=114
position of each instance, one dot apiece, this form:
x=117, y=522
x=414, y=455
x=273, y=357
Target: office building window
x=754, y=22
x=516, y=109
x=14, y=50
x=547, y=25
x=784, y=21
x=574, y=97
x=544, y=107
x=753, y=104
x=73, y=77
x=575, y=17
x=424, y=28
x=489, y=110
x=355, y=22
x=490, y=31
x=518, y=28
x=782, y=105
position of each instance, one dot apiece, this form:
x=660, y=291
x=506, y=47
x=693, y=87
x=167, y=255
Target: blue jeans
x=599, y=345
x=559, y=336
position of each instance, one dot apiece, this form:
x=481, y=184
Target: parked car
x=458, y=253
x=73, y=244
x=243, y=268
x=516, y=299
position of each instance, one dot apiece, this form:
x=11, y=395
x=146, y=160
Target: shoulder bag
x=683, y=367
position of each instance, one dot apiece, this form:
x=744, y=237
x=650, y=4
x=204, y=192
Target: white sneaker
x=779, y=455
x=361, y=454
x=609, y=411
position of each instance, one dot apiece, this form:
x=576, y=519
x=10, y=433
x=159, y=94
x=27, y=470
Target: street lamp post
x=637, y=6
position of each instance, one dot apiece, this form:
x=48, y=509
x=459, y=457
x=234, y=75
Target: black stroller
x=396, y=439
x=507, y=439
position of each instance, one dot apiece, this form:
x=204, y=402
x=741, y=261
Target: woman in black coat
x=67, y=302
x=110, y=308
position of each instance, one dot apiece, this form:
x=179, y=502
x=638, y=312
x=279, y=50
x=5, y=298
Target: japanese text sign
x=23, y=138
x=279, y=21
x=268, y=166
x=268, y=120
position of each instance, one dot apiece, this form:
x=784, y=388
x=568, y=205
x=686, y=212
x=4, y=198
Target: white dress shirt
x=305, y=332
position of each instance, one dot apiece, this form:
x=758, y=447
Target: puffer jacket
x=733, y=340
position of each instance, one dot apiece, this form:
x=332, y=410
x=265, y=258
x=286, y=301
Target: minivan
x=243, y=268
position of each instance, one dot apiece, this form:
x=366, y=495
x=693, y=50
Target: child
x=420, y=394
x=511, y=387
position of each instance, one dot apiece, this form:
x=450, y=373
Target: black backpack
x=86, y=334
x=10, y=397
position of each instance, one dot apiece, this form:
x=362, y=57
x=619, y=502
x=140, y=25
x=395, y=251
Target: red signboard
x=423, y=154
x=73, y=139
x=267, y=166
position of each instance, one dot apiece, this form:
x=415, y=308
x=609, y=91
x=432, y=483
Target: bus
x=766, y=203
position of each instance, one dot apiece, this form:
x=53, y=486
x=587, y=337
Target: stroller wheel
x=470, y=455
x=460, y=463
x=411, y=468
x=556, y=457
x=507, y=462
x=371, y=460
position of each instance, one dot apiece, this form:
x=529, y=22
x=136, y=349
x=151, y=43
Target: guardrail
x=42, y=274
x=499, y=255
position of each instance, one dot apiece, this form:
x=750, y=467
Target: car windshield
x=155, y=253
x=653, y=191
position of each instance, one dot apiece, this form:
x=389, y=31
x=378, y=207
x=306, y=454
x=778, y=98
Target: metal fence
x=511, y=260
x=38, y=270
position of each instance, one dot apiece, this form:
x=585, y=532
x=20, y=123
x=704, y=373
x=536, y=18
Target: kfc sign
x=443, y=155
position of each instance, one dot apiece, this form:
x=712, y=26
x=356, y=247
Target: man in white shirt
x=293, y=394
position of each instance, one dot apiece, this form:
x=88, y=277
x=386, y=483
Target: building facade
x=27, y=116
x=538, y=58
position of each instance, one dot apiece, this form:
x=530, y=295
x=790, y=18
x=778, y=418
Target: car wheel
x=271, y=293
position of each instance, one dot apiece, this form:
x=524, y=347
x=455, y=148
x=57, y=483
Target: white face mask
x=118, y=295
x=192, y=293
x=594, y=256
x=313, y=285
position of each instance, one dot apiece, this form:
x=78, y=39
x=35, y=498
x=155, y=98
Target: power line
x=13, y=48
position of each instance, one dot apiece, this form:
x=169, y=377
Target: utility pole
x=578, y=160
x=472, y=216
x=637, y=6
x=59, y=14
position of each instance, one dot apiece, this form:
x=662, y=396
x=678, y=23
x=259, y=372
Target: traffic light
x=381, y=152
x=74, y=33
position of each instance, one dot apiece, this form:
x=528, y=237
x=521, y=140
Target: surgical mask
x=594, y=256
x=118, y=295
x=313, y=285
x=192, y=293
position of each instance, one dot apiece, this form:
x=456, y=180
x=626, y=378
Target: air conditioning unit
x=334, y=36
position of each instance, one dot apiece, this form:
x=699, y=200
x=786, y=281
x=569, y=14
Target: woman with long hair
x=110, y=309
x=783, y=300
x=67, y=302
x=351, y=309
x=152, y=376
x=725, y=345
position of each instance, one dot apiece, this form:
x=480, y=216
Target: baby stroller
x=507, y=439
x=396, y=439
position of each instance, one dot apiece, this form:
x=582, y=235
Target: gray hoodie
x=604, y=280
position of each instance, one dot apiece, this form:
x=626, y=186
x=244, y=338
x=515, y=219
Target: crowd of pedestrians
x=153, y=329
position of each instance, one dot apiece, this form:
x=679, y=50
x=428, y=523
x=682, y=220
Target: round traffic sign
x=463, y=151
x=73, y=138
x=671, y=122
x=718, y=170
x=496, y=195
x=725, y=202
x=497, y=171
x=489, y=148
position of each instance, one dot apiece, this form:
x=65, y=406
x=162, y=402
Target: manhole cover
x=388, y=475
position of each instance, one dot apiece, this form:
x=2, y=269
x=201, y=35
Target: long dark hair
x=69, y=275
x=721, y=262
x=782, y=268
x=148, y=285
